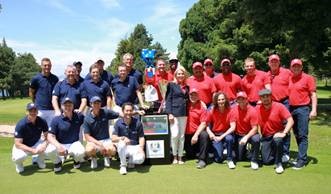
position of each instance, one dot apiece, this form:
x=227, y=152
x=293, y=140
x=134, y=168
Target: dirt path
x=7, y=130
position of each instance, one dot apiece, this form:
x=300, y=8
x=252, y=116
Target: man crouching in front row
x=128, y=137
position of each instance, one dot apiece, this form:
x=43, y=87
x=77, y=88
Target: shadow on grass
x=323, y=117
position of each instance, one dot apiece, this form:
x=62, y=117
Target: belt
x=298, y=106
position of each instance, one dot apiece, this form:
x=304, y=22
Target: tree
x=258, y=28
x=7, y=58
x=138, y=40
x=22, y=71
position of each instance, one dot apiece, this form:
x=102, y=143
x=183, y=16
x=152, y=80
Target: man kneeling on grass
x=27, y=138
x=63, y=136
x=128, y=137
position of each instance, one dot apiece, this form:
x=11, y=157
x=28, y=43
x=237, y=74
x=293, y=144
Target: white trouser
x=48, y=115
x=133, y=153
x=105, y=142
x=75, y=150
x=178, y=135
x=18, y=155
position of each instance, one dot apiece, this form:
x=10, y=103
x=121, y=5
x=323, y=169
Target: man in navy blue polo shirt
x=96, y=130
x=69, y=87
x=105, y=76
x=27, y=138
x=96, y=87
x=78, y=66
x=63, y=136
x=40, y=90
x=125, y=89
x=129, y=138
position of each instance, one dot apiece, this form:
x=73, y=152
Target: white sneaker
x=225, y=152
x=231, y=165
x=285, y=158
x=131, y=165
x=19, y=168
x=123, y=170
x=106, y=161
x=41, y=163
x=279, y=169
x=254, y=165
x=94, y=163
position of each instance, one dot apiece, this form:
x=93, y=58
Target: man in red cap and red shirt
x=202, y=83
x=246, y=130
x=209, y=68
x=302, y=94
x=196, y=137
x=271, y=118
x=280, y=77
x=227, y=81
x=254, y=81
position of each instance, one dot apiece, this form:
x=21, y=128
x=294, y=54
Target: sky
x=86, y=30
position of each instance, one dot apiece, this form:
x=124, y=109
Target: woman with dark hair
x=222, y=124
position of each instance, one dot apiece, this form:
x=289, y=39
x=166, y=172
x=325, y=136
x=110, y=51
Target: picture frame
x=155, y=124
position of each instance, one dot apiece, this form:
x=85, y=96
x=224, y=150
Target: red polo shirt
x=252, y=84
x=221, y=121
x=245, y=119
x=197, y=114
x=300, y=88
x=205, y=87
x=279, y=84
x=271, y=121
x=158, y=77
x=228, y=83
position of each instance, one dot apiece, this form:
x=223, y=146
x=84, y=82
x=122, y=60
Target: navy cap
x=31, y=106
x=264, y=92
x=95, y=99
x=66, y=99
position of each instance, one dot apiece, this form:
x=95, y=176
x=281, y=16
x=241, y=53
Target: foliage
x=7, y=60
x=138, y=39
x=238, y=29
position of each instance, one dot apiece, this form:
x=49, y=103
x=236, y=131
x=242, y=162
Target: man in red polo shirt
x=302, y=94
x=196, y=137
x=271, y=118
x=254, y=81
x=246, y=130
x=208, y=66
x=227, y=81
x=202, y=83
x=280, y=77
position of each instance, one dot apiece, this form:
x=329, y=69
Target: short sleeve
x=56, y=90
x=140, y=129
x=53, y=129
x=19, y=130
x=34, y=84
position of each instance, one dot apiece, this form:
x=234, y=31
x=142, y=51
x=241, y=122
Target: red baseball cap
x=296, y=62
x=225, y=61
x=208, y=61
x=197, y=64
x=192, y=90
x=241, y=94
x=274, y=57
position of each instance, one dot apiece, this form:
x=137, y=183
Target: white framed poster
x=155, y=149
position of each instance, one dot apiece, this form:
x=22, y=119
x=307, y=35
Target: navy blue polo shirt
x=134, y=131
x=105, y=76
x=137, y=74
x=29, y=132
x=64, y=89
x=101, y=89
x=97, y=126
x=44, y=87
x=65, y=130
x=125, y=91
x=80, y=79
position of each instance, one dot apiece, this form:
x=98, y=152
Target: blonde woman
x=176, y=106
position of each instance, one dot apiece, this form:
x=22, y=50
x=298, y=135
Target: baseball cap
x=66, y=99
x=197, y=64
x=274, y=57
x=192, y=90
x=31, y=106
x=241, y=94
x=264, y=92
x=224, y=61
x=95, y=99
x=296, y=62
x=208, y=61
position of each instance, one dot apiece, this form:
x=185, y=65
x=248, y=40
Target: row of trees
x=257, y=28
x=16, y=71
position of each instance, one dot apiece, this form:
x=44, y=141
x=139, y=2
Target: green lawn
x=12, y=110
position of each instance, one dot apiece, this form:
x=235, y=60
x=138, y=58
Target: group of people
x=210, y=113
